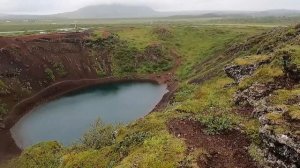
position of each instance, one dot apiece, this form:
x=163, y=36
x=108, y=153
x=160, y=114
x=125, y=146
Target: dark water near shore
x=66, y=119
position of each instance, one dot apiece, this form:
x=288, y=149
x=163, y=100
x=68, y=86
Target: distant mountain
x=110, y=11
x=124, y=11
x=238, y=14
x=277, y=13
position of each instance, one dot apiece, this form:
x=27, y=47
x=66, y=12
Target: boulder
x=280, y=150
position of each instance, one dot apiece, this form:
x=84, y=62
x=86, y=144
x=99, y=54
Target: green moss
x=88, y=159
x=139, y=37
x=275, y=118
x=185, y=92
x=210, y=94
x=295, y=51
x=251, y=60
x=294, y=113
x=147, y=141
x=50, y=74
x=2, y=85
x=3, y=110
x=265, y=74
x=281, y=129
x=160, y=151
x=59, y=69
x=251, y=126
x=197, y=44
x=257, y=154
x=126, y=58
x=215, y=124
x=192, y=159
x=282, y=96
x=43, y=155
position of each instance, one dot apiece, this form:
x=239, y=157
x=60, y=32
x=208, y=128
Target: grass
x=293, y=113
x=264, y=75
x=275, y=118
x=2, y=85
x=126, y=58
x=3, y=110
x=257, y=154
x=100, y=135
x=161, y=151
x=43, y=155
x=251, y=60
x=216, y=124
x=282, y=96
x=59, y=69
x=50, y=74
x=140, y=37
x=147, y=141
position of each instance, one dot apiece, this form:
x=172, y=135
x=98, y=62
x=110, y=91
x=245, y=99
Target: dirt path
x=225, y=151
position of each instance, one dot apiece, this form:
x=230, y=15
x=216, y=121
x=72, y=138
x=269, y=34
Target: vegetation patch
x=43, y=155
x=2, y=85
x=282, y=96
x=275, y=118
x=251, y=60
x=265, y=74
x=161, y=151
x=60, y=69
x=50, y=74
x=257, y=154
x=100, y=135
x=3, y=110
x=162, y=33
x=216, y=124
x=185, y=91
x=147, y=141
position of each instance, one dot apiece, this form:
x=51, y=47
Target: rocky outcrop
x=281, y=149
x=292, y=71
x=239, y=72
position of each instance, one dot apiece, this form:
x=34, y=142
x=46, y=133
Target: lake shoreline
x=8, y=147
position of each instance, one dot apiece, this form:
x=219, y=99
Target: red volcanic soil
x=228, y=150
x=24, y=59
x=29, y=56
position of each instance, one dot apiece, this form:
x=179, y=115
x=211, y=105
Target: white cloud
x=54, y=6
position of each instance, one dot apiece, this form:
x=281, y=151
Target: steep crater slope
x=267, y=79
x=200, y=113
x=36, y=68
x=31, y=63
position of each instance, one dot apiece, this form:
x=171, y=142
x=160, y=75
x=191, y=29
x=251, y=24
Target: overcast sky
x=56, y=6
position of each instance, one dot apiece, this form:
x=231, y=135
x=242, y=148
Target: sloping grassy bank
x=147, y=142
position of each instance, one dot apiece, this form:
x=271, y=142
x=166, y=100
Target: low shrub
x=50, y=74
x=99, y=135
x=215, y=124
x=129, y=141
x=3, y=110
x=257, y=154
x=60, y=69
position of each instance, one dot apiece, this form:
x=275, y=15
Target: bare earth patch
x=228, y=150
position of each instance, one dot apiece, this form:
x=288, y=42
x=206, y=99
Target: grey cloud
x=54, y=6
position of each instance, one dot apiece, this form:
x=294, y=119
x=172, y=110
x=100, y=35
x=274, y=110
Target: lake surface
x=68, y=118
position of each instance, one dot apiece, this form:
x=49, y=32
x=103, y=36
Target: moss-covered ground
x=147, y=141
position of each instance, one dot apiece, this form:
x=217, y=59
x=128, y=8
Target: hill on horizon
x=116, y=11
x=110, y=11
